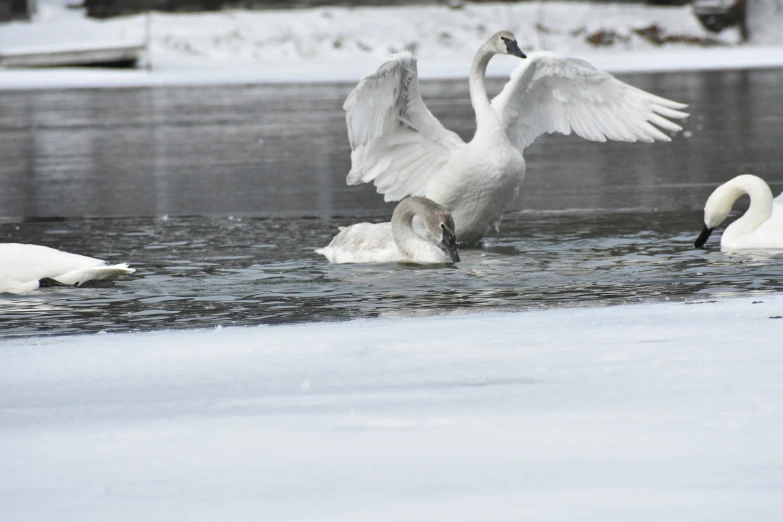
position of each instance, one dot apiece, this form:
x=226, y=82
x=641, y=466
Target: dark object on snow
x=108, y=8
x=652, y=33
x=98, y=55
x=16, y=9
x=717, y=15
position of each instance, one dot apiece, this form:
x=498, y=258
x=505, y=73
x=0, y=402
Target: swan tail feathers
x=114, y=271
x=328, y=252
x=94, y=273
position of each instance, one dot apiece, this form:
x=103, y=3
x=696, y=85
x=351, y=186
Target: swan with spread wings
x=399, y=145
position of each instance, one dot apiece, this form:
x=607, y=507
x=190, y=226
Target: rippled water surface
x=219, y=194
x=203, y=272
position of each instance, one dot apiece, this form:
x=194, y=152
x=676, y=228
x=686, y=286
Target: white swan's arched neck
x=487, y=121
x=761, y=201
x=413, y=245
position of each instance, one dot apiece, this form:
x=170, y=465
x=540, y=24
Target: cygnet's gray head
x=503, y=42
x=440, y=225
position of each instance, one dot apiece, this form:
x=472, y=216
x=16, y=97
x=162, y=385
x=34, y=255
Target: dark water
x=209, y=271
x=219, y=194
x=282, y=149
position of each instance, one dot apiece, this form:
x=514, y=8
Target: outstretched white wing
x=551, y=93
x=396, y=142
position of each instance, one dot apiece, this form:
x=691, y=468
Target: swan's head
x=503, y=42
x=717, y=209
x=428, y=220
x=448, y=241
x=440, y=225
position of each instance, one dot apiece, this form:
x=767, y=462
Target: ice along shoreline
x=657, y=62
x=653, y=412
x=751, y=317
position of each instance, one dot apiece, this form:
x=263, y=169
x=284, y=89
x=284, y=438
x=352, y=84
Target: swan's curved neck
x=402, y=227
x=486, y=119
x=761, y=201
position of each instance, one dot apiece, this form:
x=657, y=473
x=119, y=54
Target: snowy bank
x=643, y=412
x=343, y=44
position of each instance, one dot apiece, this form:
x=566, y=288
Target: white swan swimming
x=760, y=227
x=400, y=146
x=421, y=231
x=24, y=268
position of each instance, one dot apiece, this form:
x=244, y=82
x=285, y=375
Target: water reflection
x=282, y=149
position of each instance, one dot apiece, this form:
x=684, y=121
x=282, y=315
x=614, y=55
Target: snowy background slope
x=642, y=412
x=342, y=43
x=434, y=33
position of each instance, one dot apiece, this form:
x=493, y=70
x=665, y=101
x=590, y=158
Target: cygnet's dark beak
x=703, y=236
x=512, y=48
x=449, y=245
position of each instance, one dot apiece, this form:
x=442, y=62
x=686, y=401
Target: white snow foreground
x=325, y=44
x=645, y=413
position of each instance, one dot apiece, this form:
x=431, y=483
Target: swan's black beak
x=512, y=48
x=449, y=244
x=703, y=236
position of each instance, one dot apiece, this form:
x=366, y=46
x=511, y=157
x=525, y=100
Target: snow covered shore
x=640, y=412
x=343, y=44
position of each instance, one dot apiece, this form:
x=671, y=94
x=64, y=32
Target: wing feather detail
x=550, y=93
x=396, y=142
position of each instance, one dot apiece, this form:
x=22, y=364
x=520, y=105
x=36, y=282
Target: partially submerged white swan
x=24, y=268
x=400, y=146
x=421, y=231
x=760, y=227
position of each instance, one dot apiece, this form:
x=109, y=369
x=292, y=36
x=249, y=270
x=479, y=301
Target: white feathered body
x=484, y=179
x=399, y=145
x=23, y=266
x=741, y=235
x=374, y=243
